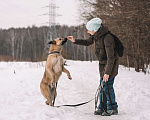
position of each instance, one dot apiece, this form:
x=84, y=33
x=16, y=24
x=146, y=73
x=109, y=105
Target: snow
x=21, y=99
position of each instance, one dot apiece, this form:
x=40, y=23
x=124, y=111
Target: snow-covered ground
x=21, y=99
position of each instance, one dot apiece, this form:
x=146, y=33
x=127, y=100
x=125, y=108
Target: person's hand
x=71, y=38
x=105, y=78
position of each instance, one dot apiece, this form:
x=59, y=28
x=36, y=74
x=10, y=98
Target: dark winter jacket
x=108, y=58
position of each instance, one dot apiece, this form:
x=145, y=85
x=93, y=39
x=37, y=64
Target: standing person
x=108, y=63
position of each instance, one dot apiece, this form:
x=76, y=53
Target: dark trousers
x=106, y=101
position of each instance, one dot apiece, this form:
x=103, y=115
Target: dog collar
x=53, y=52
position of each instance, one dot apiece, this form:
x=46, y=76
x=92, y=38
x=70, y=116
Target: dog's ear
x=52, y=42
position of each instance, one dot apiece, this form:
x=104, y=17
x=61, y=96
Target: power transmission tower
x=51, y=35
x=52, y=21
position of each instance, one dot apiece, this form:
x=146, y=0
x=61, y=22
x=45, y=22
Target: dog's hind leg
x=45, y=91
x=67, y=72
x=47, y=103
x=55, y=94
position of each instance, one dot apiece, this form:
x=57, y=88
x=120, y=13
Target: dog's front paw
x=70, y=78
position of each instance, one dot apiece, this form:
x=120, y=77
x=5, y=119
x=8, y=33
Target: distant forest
x=31, y=44
x=129, y=20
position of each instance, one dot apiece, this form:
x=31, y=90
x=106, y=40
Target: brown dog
x=53, y=70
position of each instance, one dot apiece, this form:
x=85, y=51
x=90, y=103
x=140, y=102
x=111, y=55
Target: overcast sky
x=24, y=13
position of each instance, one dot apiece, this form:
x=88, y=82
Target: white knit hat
x=94, y=24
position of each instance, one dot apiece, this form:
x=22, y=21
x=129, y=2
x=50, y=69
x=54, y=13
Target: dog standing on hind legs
x=53, y=70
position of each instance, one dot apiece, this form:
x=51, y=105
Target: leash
x=102, y=101
x=100, y=91
x=97, y=96
x=96, y=100
x=75, y=105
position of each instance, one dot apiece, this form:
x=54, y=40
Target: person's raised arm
x=86, y=42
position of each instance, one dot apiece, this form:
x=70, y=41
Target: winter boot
x=98, y=112
x=110, y=112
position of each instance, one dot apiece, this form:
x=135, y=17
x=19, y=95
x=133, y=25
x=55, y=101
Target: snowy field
x=21, y=99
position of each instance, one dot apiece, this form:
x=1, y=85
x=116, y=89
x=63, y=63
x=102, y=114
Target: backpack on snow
x=118, y=45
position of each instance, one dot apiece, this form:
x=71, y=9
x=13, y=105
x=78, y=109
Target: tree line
x=30, y=44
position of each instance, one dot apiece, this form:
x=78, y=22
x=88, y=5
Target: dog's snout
x=64, y=41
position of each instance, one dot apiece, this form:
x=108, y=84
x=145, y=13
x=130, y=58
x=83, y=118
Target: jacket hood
x=102, y=30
